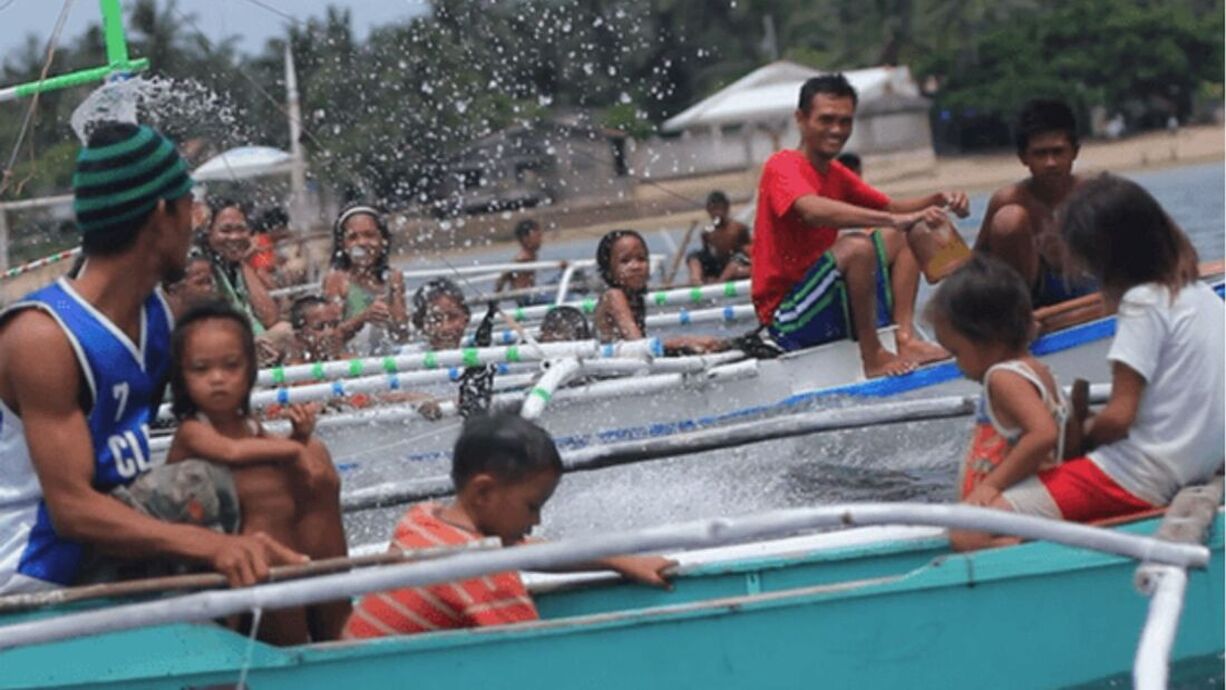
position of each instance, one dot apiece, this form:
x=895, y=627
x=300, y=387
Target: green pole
x=112, y=26
x=116, y=55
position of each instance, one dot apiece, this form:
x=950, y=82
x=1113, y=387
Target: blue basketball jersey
x=121, y=378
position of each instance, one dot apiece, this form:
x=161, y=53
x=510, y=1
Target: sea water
x=901, y=462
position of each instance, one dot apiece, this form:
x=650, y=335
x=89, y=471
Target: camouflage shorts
x=190, y=492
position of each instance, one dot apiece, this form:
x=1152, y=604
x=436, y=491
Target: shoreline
x=973, y=174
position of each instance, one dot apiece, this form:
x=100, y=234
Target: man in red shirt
x=812, y=285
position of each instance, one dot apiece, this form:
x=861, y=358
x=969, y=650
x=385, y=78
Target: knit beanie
x=119, y=183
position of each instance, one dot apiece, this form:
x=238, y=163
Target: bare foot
x=885, y=363
x=921, y=351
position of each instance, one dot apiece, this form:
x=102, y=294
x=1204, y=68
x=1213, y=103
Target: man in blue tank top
x=82, y=363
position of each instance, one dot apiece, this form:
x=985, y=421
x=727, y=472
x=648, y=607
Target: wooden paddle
x=196, y=581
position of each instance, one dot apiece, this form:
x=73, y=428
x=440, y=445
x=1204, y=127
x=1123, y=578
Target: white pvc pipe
x=656, y=299
x=559, y=372
x=205, y=606
x=462, y=357
x=1165, y=585
x=678, y=319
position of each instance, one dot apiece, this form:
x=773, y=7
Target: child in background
x=287, y=487
x=504, y=468
x=725, y=246
x=441, y=314
x=371, y=295
x=530, y=237
x=316, y=331
x=982, y=315
x=1162, y=428
x=621, y=313
x=196, y=286
x=564, y=324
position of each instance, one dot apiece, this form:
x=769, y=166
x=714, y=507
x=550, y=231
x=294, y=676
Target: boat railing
x=1187, y=521
x=205, y=606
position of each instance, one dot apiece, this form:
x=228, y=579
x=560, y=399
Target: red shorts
x=1084, y=493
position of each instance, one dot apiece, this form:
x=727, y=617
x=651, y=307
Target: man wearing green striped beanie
x=82, y=366
x=130, y=179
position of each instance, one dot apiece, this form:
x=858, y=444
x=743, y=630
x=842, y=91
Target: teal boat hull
x=893, y=613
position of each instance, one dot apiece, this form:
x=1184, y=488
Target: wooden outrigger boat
x=868, y=607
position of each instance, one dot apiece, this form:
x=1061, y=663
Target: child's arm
x=397, y=306
x=195, y=439
x=1113, y=422
x=336, y=284
x=618, y=313
x=647, y=570
x=1017, y=403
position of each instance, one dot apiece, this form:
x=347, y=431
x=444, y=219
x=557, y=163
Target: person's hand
x=302, y=421
x=957, y=202
x=982, y=495
x=430, y=409
x=377, y=312
x=646, y=570
x=933, y=216
x=246, y=559
x=266, y=353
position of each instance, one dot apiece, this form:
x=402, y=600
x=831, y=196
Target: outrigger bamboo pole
x=463, y=357
x=205, y=606
x=658, y=298
x=730, y=436
x=198, y=581
x=559, y=372
x=680, y=318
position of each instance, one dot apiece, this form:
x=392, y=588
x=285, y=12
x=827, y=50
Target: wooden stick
x=1089, y=307
x=197, y=581
x=685, y=243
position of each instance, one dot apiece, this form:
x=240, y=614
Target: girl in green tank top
x=371, y=293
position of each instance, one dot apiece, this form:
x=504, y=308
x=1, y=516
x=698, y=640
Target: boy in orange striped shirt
x=505, y=468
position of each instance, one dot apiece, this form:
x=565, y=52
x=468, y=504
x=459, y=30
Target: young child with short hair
x=287, y=487
x=982, y=315
x=530, y=236
x=564, y=324
x=504, y=468
x=726, y=245
x=317, y=336
x=440, y=314
x=621, y=313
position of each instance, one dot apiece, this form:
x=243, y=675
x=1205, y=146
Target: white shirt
x=1179, y=349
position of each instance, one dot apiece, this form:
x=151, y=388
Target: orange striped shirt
x=496, y=599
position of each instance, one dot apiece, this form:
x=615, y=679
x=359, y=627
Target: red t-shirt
x=784, y=248
x=496, y=599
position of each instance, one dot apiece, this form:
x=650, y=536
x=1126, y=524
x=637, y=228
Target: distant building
x=541, y=163
x=741, y=125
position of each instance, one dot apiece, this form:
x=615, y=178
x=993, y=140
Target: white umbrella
x=244, y=162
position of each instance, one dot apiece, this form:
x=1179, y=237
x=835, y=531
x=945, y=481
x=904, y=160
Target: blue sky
x=217, y=18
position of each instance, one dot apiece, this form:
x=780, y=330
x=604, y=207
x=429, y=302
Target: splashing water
x=176, y=107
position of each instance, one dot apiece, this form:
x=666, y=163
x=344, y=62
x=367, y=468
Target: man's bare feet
x=921, y=351
x=884, y=363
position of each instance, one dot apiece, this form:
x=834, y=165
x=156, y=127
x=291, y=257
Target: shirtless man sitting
x=1019, y=226
x=725, y=246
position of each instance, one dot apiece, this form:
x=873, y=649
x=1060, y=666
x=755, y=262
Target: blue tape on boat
x=729, y=314
x=508, y=338
x=454, y=373
x=282, y=396
x=683, y=317
x=338, y=388
x=502, y=368
x=606, y=351
x=393, y=382
x=657, y=347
